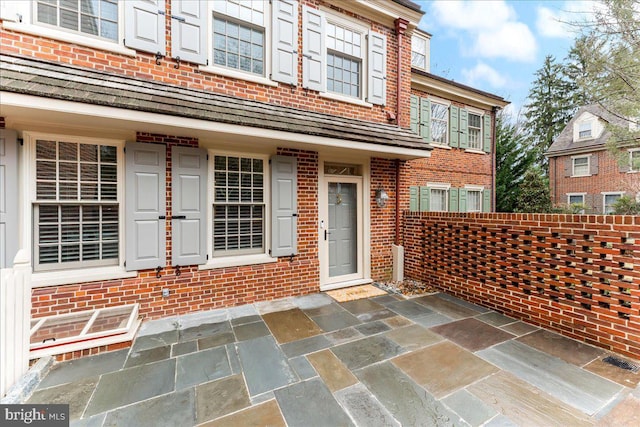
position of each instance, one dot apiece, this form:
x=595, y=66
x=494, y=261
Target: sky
x=497, y=46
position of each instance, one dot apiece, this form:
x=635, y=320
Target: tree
x=551, y=105
x=513, y=158
x=534, y=196
x=626, y=205
x=610, y=48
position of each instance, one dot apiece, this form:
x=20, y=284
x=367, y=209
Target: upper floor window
x=344, y=60
x=580, y=166
x=439, y=123
x=420, y=52
x=76, y=208
x=584, y=130
x=90, y=17
x=475, y=131
x=634, y=160
x=239, y=34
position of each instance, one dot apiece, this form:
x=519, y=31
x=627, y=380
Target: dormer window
x=585, y=130
x=420, y=52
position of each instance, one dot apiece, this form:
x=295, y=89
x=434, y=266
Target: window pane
x=238, y=46
x=343, y=75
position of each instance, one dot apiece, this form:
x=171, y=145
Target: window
x=344, y=60
x=438, y=200
x=239, y=36
x=239, y=206
x=584, y=130
x=475, y=131
x=580, y=166
x=90, y=17
x=420, y=52
x=609, y=201
x=634, y=160
x=576, y=200
x=474, y=200
x=439, y=123
x=76, y=212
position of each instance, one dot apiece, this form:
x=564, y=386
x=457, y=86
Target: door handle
x=179, y=217
x=326, y=233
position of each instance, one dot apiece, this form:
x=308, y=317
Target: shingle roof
x=411, y=5
x=60, y=81
x=565, y=143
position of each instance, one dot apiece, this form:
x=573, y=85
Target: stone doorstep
x=23, y=388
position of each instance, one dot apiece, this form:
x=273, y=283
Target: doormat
x=356, y=292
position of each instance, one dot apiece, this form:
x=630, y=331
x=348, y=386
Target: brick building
x=162, y=157
x=582, y=170
x=458, y=121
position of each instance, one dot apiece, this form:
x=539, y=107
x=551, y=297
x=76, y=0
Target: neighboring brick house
x=458, y=121
x=182, y=156
x=582, y=170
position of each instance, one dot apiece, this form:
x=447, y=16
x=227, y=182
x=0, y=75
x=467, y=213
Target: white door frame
x=363, y=275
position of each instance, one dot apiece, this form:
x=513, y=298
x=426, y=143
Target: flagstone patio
x=310, y=361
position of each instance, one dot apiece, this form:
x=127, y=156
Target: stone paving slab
x=76, y=394
x=334, y=374
x=566, y=382
x=414, y=337
x=372, y=328
x=310, y=403
x=463, y=303
x=623, y=377
x=448, y=308
x=201, y=367
x=250, y=331
x=366, y=351
x=571, y=351
x=203, y=331
x=496, y=319
x=409, y=309
x=519, y=328
x=290, y=325
x=178, y=349
x=143, y=357
x=218, y=398
x=334, y=321
x=306, y=346
x=472, y=334
x=431, y=320
x=85, y=367
x=363, y=408
x=264, y=414
x=470, y=408
x=362, y=306
x=147, y=342
x=168, y=410
x=303, y=367
x=264, y=365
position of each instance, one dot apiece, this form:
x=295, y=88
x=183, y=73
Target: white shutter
x=145, y=206
x=8, y=197
x=189, y=30
x=188, y=205
x=313, y=49
x=144, y=25
x=377, y=84
x=15, y=10
x=284, y=202
x=285, y=41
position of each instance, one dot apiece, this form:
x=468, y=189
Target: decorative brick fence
x=576, y=274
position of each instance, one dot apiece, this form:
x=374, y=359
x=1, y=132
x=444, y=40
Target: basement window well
x=64, y=333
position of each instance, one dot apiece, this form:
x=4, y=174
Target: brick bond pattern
x=575, y=274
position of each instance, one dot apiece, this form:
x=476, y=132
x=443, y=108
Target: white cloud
x=487, y=29
x=565, y=21
x=483, y=73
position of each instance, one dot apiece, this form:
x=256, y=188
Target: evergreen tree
x=575, y=71
x=513, y=158
x=534, y=196
x=551, y=106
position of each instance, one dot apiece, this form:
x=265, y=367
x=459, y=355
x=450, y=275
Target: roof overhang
x=35, y=113
x=448, y=89
x=382, y=11
x=573, y=151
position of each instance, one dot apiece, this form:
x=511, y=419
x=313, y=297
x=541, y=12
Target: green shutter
x=413, y=199
x=486, y=201
x=425, y=192
x=454, y=136
x=464, y=128
x=425, y=119
x=486, y=130
x=415, y=114
x=453, y=200
x=462, y=200
x=284, y=206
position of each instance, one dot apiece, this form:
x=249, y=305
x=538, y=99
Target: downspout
x=493, y=157
x=401, y=28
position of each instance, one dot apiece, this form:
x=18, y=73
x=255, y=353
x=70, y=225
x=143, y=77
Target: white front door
x=342, y=236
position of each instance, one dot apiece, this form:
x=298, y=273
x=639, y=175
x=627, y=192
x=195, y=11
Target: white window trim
x=477, y=112
x=237, y=73
x=631, y=169
x=569, y=195
x=591, y=123
x=236, y=260
x=29, y=26
x=439, y=186
x=573, y=166
x=427, y=61
x=76, y=275
x=604, y=198
x=478, y=188
x=357, y=26
x=447, y=104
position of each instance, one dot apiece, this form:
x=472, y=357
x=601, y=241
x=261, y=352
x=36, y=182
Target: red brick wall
x=143, y=66
x=574, y=274
x=608, y=179
x=196, y=290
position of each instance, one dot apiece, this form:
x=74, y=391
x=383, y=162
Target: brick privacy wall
x=578, y=275
x=143, y=66
x=197, y=290
x=608, y=179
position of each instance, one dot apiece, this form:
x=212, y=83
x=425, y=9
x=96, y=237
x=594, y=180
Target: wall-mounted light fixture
x=381, y=197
